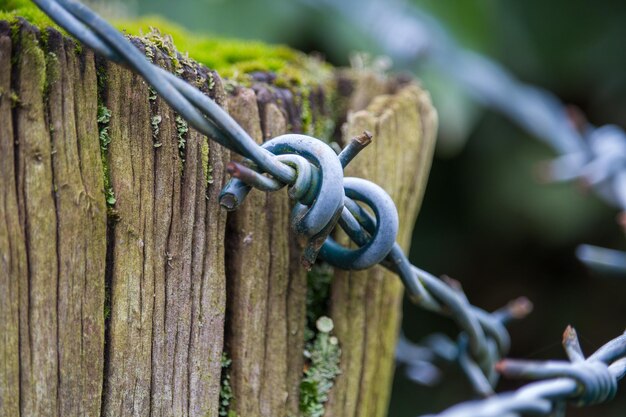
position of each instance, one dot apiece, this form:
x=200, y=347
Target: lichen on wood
x=123, y=282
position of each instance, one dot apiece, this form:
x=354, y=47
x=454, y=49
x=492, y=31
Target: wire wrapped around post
x=314, y=173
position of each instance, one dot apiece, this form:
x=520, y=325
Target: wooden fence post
x=122, y=281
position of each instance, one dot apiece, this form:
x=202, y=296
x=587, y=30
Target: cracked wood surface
x=125, y=310
x=366, y=305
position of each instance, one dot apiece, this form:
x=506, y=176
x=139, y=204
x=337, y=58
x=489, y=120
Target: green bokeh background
x=486, y=220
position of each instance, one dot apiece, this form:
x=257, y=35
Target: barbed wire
x=324, y=198
x=595, y=156
x=580, y=381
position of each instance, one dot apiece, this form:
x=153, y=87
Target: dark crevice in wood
x=111, y=223
x=54, y=45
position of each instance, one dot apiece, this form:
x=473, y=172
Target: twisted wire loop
x=581, y=382
x=324, y=198
x=484, y=339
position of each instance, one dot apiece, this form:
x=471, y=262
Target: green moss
x=30, y=46
x=15, y=99
x=10, y=10
x=235, y=59
x=306, y=114
x=107, y=304
x=315, y=122
x=53, y=72
x=318, y=292
x=206, y=166
x=101, y=79
x=104, y=117
x=226, y=391
x=231, y=58
x=324, y=126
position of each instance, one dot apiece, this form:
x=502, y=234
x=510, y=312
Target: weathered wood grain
x=366, y=304
x=125, y=308
x=208, y=283
x=136, y=261
x=12, y=243
x=247, y=267
x=81, y=224
x=39, y=368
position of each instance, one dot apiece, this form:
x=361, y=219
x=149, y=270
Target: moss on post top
x=237, y=59
x=233, y=59
x=10, y=10
x=269, y=69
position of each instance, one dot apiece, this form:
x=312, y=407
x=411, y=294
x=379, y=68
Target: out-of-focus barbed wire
x=596, y=156
x=580, y=381
x=324, y=198
x=421, y=360
x=609, y=260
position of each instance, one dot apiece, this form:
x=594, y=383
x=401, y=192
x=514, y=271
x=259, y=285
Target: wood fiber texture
x=125, y=307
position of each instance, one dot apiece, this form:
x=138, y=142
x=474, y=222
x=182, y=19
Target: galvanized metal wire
x=580, y=381
x=595, y=156
x=324, y=198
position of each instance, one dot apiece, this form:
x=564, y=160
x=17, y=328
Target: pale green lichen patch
x=155, y=122
x=325, y=324
x=322, y=351
x=181, y=128
x=154, y=40
x=323, y=354
x=104, y=117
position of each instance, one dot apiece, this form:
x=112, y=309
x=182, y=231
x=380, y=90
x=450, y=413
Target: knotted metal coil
x=324, y=198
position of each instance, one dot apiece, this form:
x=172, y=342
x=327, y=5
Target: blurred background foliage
x=486, y=220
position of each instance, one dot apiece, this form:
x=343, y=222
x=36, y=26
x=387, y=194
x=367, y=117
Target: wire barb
x=594, y=156
x=581, y=382
x=324, y=198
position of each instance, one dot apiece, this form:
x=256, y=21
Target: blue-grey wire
x=595, y=155
x=322, y=199
x=582, y=382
